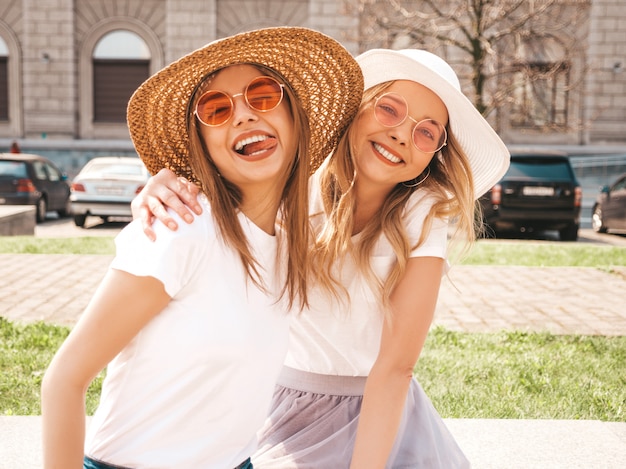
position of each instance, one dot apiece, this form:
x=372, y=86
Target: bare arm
x=413, y=304
x=164, y=190
x=113, y=317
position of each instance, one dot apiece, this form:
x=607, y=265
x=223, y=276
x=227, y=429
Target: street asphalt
x=560, y=300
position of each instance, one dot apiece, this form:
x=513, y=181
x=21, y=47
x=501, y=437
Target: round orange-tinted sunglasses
x=215, y=108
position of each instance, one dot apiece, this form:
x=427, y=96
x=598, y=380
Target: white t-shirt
x=194, y=386
x=337, y=338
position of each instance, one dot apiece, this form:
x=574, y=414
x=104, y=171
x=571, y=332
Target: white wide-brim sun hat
x=488, y=155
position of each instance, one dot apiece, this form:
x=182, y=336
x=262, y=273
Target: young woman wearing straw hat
x=417, y=155
x=193, y=326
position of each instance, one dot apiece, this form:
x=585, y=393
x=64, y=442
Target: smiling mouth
x=254, y=145
x=386, y=154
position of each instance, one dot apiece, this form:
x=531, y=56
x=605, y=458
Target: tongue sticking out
x=258, y=147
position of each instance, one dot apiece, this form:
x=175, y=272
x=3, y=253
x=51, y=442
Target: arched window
x=4, y=81
x=121, y=62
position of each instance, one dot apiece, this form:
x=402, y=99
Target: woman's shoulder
x=202, y=229
x=174, y=256
x=418, y=208
x=420, y=202
x=202, y=224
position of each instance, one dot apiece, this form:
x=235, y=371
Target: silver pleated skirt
x=313, y=421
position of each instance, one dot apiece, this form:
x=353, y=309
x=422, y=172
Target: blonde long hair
x=225, y=198
x=450, y=182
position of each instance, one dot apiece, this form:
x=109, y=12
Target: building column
x=190, y=25
x=49, y=68
x=331, y=17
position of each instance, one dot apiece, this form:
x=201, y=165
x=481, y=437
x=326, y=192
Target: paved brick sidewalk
x=48, y=287
x=561, y=300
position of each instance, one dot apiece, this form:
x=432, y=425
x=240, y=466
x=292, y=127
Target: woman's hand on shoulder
x=165, y=190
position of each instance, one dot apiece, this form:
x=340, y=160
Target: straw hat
x=322, y=73
x=488, y=156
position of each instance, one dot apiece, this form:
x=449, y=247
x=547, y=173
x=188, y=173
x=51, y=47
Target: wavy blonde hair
x=225, y=198
x=450, y=182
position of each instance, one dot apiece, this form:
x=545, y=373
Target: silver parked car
x=106, y=186
x=609, y=209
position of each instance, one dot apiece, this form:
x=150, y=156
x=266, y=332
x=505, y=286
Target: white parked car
x=106, y=186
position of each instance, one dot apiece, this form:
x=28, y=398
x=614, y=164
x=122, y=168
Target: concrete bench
x=17, y=220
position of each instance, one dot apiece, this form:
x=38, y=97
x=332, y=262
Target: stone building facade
x=47, y=48
x=605, y=97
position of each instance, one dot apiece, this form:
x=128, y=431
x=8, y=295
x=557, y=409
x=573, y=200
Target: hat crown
x=435, y=63
x=385, y=65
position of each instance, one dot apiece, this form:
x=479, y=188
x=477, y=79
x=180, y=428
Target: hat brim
x=487, y=154
x=321, y=72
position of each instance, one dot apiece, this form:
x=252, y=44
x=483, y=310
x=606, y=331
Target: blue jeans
x=89, y=463
x=245, y=465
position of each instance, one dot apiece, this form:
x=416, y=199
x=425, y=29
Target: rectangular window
x=4, y=89
x=541, y=95
x=114, y=82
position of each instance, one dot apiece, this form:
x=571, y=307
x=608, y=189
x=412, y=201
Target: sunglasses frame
x=417, y=123
x=231, y=99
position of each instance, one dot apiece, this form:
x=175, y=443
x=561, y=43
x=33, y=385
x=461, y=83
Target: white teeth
x=386, y=154
x=257, y=138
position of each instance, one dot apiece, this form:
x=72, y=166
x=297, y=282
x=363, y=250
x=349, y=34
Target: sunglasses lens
x=429, y=135
x=214, y=108
x=390, y=109
x=264, y=94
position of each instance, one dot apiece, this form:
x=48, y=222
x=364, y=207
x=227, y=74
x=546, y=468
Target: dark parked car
x=609, y=209
x=106, y=186
x=33, y=180
x=538, y=192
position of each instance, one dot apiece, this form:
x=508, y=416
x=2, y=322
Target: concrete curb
x=17, y=220
x=488, y=444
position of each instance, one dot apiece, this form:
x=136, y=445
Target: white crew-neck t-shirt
x=343, y=339
x=194, y=386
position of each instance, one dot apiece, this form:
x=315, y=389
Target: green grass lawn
x=504, y=375
x=33, y=245
x=484, y=252
x=553, y=254
x=524, y=375
x=25, y=351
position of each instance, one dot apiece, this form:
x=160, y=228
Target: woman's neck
x=368, y=202
x=261, y=209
